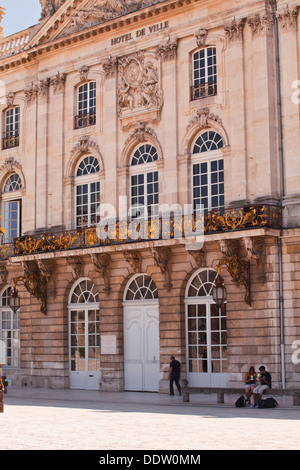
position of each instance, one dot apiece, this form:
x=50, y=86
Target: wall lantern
x=219, y=291
x=14, y=300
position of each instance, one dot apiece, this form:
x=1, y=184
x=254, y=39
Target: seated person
x=250, y=383
x=265, y=382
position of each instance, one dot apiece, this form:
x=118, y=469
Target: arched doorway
x=84, y=336
x=206, y=333
x=141, y=335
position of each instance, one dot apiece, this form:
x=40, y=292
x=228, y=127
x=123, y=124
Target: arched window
x=12, y=127
x=87, y=192
x=86, y=105
x=84, y=292
x=209, y=140
x=84, y=335
x=13, y=183
x=144, y=181
x=206, y=332
x=142, y=287
x=11, y=207
x=204, y=73
x=9, y=332
x=208, y=172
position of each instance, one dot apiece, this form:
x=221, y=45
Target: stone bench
x=274, y=392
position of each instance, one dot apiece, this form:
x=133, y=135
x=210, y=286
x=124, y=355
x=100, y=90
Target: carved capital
x=110, y=66
x=261, y=23
x=235, y=29
x=58, y=82
x=287, y=18
x=168, y=50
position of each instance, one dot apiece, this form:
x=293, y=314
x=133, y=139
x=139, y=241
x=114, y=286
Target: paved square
x=39, y=419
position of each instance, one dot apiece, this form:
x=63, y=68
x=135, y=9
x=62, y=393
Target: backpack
x=267, y=403
x=240, y=402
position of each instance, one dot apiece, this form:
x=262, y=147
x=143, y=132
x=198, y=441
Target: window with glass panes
x=86, y=105
x=144, y=181
x=208, y=173
x=87, y=193
x=204, y=73
x=12, y=126
x=11, y=207
x=9, y=333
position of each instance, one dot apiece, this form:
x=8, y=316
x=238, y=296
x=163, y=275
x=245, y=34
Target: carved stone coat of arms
x=139, y=87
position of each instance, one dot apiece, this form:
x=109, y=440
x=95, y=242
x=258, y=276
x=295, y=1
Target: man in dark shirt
x=174, y=375
x=265, y=382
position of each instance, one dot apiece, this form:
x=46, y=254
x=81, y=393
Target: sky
x=20, y=14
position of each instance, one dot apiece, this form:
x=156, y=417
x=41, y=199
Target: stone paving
x=40, y=419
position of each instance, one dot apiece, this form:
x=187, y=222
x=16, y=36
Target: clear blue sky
x=20, y=14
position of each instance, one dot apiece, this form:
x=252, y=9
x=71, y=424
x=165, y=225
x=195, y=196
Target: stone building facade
x=143, y=145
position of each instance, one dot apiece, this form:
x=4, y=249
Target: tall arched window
x=204, y=73
x=144, y=181
x=9, y=332
x=12, y=127
x=206, y=332
x=87, y=192
x=11, y=207
x=86, y=105
x=84, y=335
x=208, y=172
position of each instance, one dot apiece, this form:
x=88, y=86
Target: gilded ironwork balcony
x=203, y=90
x=6, y=251
x=10, y=139
x=162, y=228
x=85, y=120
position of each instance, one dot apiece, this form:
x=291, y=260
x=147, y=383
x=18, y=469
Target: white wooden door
x=141, y=346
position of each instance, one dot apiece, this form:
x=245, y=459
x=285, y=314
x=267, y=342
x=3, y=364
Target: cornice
x=36, y=46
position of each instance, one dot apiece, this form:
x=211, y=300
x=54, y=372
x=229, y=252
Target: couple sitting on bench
x=251, y=386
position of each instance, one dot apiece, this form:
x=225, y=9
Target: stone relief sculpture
x=138, y=87
x=98, y=11
x=49, y=7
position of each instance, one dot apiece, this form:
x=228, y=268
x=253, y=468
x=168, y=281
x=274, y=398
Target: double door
x=141, y=346
x=206, y=337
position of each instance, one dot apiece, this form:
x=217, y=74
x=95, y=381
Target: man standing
x=265, y=382
x=174, y=375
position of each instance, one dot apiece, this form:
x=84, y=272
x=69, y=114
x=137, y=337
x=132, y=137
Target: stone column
x=237, y=186
x=42, y=168
x=262, y=106
x=55, y=201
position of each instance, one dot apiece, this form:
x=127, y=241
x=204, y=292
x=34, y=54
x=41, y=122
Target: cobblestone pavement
x=40, y=419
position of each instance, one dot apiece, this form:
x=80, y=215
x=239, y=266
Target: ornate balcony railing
x=10, y=140
x=85, y=120
x=203, y=90
x=163, y=228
